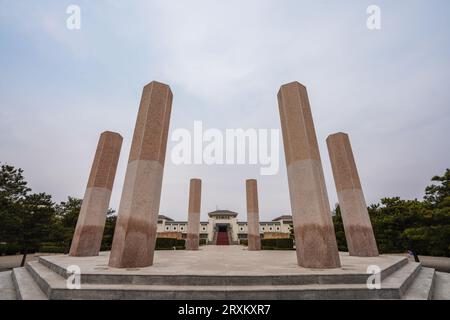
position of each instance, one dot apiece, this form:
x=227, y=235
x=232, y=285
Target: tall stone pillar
x=358, y=228
x=254, y=239
x=135, y=234
x=313, y=225
x=88, y=234
x=193, y=229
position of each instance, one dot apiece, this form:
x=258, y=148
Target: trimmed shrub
x=285, y=243
x=9, y=249
x=52, y=249
x=169, y=244
x=202, y=242
x=268, y=243
x=180, y=243
x=243, y=242
x=165, y=243
x=105, y=247
x=277, y=244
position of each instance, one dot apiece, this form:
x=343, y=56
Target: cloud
x=225, y=62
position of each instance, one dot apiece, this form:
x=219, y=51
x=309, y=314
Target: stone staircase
x=222, y=238
x=7, y=290
x=43, y=279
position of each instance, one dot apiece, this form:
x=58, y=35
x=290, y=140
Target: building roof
x=261, y=222
x=222, y=213
x=285, y=217
x=163, y=217
x=225, y=213
x=171, y=223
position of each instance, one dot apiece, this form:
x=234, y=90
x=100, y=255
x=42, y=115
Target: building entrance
x=222, y=234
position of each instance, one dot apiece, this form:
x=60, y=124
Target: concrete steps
x=26, y=287
x=51, y=279
x=55, y=287
x=402, y=278
x=47, y=279
x=442, y=287
x=422, y=285
x=7, y=290
x=155, y=292
x=223, y=280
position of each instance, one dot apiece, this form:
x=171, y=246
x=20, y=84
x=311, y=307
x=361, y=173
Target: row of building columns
x=193, y=229
x=135, y=234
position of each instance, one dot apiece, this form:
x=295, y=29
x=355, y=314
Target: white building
x=225, y=223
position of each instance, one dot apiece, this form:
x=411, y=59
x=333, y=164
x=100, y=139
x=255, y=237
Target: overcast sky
x=225, y=61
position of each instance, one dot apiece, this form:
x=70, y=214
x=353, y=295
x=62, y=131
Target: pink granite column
x=135, y=233
x=358, y=228
x=254, y=238
x=313, y=226
x=193, y=229
x=88, y=234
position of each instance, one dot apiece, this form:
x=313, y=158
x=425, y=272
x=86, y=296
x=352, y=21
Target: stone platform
x=226, y=273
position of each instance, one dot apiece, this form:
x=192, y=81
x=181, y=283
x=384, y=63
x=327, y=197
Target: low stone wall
x=171, y=235
x=276, y=235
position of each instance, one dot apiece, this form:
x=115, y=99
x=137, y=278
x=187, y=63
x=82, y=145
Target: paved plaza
x=224, y=273
x=223, y=261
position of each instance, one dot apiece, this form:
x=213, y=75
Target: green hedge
x=169, y=244
x=277, y=244
x=52, y=249
x=243, y=242
x=105, y=247
x=9, y=249
x=203, y=242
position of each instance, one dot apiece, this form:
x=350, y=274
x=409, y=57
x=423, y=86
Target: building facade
x=223, y=227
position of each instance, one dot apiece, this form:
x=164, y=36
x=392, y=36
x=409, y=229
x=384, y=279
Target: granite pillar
x=135, y=234
x=193, y=229
x=88, y=234
x=254, y=238
x=313, y=226
x=358, y=228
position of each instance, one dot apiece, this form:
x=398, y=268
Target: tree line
x=31, y=222
x=422, y=227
